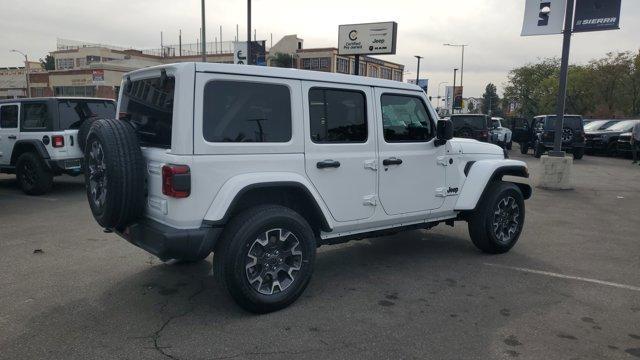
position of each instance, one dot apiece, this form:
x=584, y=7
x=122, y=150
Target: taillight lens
x=57, y=141
x=176, y=181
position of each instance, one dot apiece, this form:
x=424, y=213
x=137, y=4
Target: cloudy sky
x=490, y=27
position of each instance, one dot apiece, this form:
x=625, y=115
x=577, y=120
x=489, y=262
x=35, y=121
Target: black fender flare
x=21, y=147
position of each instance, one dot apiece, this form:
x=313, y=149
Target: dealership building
x=96, y=70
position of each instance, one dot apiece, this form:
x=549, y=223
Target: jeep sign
x=362, y=39
x=543, y=17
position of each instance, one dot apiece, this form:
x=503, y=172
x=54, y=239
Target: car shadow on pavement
x=61, y=185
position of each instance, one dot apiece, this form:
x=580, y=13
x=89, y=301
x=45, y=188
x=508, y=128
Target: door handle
x=12, y=137
x=391, y=161
x=328, y=164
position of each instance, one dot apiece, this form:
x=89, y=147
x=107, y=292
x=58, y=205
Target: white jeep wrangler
x=38, y=137
x=263, y=165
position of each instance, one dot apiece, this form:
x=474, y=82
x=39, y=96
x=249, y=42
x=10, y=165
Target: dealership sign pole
x=545, y=17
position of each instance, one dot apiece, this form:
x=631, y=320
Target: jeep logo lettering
x=452, y=190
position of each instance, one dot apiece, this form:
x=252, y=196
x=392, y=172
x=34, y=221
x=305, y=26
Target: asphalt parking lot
x=570, y=289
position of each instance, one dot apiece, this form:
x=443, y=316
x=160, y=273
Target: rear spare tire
x=83, y=131
x=114, y=173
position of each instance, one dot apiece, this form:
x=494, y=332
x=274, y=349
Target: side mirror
x=444, y=132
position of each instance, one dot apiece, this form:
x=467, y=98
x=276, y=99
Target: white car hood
x=471, y=146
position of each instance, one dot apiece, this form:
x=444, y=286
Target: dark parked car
x=606, y=141
x=539, y=134
x=624, y=143
x=471, y=126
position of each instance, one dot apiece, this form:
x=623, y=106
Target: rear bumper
x=167, y=242
x=595, y=145
x=66, y=166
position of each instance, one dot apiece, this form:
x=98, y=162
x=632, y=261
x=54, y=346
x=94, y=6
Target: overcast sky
x=490, y=27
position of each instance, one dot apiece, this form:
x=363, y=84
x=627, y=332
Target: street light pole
x=249, y=33
x=438, y=97
x=562, y=89
x=26, y=69
x=204, y=31
x=418, y=70
x=462, y=63
x=453, y=93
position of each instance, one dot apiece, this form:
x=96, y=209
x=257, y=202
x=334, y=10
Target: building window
x=316, y=63
x=38, y=92
x=337, y=116
x=64, y=64
x=89, y=91
x=92, y=59
x=385, y=73
x=362, y=69
x=81, y=62
x=342, y=65
x=397, y=75
x=373, y=71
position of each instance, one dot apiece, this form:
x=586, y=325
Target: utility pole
x=418, y=70
x=249, y=32
x=462, y=64
x=180, y=43
x=26, y=69
x=562, y=89
x=204, y=31
x=221, y=39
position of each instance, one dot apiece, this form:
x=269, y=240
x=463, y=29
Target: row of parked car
x=610, y=137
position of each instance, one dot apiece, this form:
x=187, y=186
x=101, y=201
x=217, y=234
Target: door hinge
x=441, y=192
x=442, y=160
x=371, y=164
x=369, y=200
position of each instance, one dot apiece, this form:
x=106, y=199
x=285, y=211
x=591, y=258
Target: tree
x=48, y=63
x=281, y=60
x=524, y=84
x=491, y=101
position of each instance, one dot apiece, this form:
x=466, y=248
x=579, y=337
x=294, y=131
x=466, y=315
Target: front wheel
x=538, y=150
x=578, y=153
x=497, y=222
x=509, y=145
x=265, y=258
x=524, y=148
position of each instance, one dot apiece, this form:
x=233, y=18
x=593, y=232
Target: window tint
x=246, y=112
x=35, y=116
x=9, y=117
x=148, y=105
x=74, y=112
x=473, y=122
x=405, y=118
x=337, y=116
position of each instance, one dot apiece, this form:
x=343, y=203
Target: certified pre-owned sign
x=361, y=39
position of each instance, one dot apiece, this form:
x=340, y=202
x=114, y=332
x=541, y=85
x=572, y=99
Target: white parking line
x=561, y=276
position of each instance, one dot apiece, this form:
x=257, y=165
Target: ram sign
x=364, y=39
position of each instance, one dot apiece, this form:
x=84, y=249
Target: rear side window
x=473, y=122
x=573, y=122
x=405, y=119
x=9, y=117
x=148, y=105
x=73, y=112
x=337, y=116
x=36, y=117
x=237, y=111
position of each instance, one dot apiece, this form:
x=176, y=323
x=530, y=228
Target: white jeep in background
x=503, y=135
x=38, y=137
x=262, y=165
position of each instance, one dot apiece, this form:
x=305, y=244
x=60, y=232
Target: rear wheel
x=265, y=258
x=509, y=145
x=496, y=224
x=33, y=176
x=612, y=149
x=578, y=153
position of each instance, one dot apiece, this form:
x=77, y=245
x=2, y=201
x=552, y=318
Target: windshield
x=474, y=122
x=623, y=125
x=74, y=111
x=594, y=125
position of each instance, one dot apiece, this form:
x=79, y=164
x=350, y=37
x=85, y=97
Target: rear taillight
x=484, y=134
x=57, y=141
x=176, y=181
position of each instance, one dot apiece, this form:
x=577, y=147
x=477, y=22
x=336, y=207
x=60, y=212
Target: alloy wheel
x=506, y=219
x=273, y=261
x=97, y=174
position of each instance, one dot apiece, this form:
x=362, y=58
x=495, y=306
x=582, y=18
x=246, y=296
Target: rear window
x=574, y=122
x=473, y=122
x=148, y=105
x=238, y=111
x=73, y=112
x=35, y=117
x=337, y=116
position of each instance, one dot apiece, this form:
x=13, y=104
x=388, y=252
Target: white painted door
x=340, y=147
x=9, y=130
x=412, y=168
